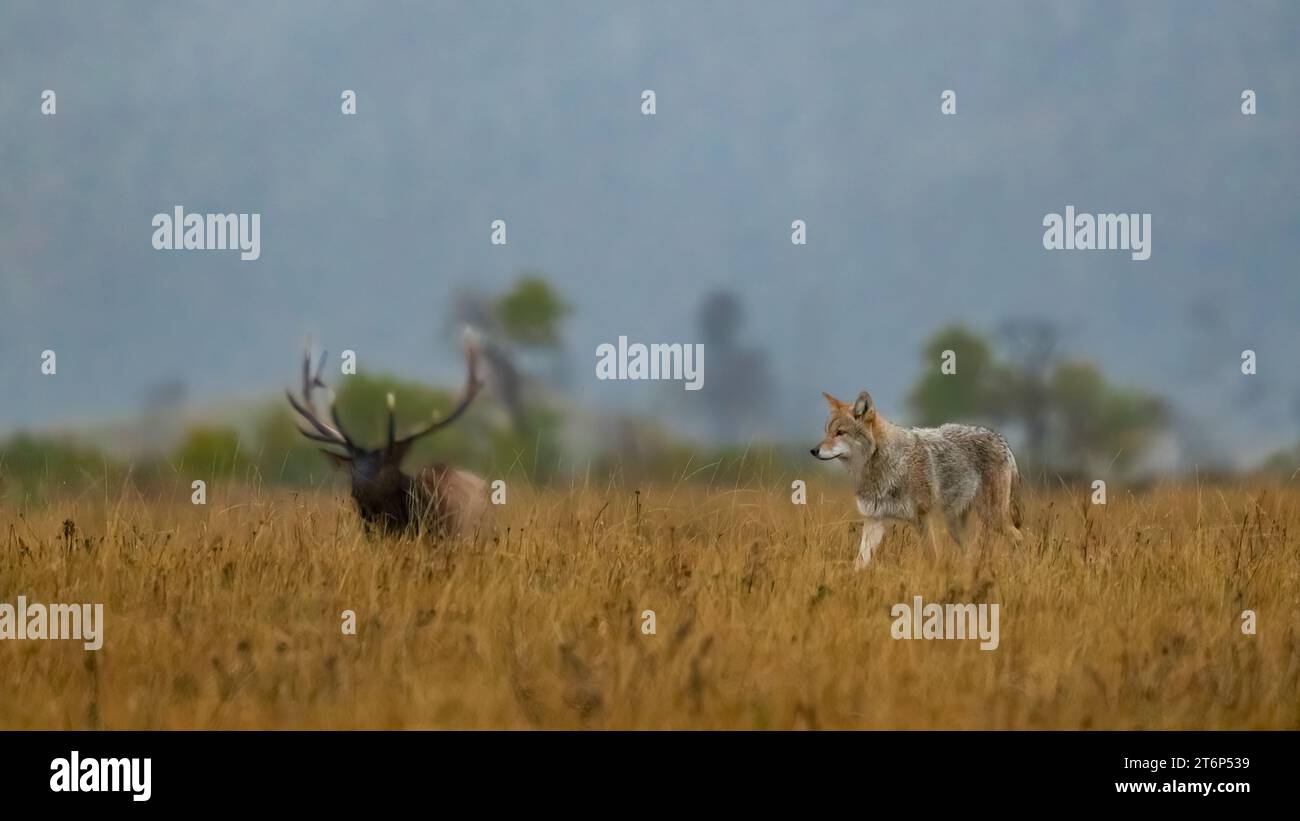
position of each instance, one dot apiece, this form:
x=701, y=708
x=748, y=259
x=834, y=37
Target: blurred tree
x=363, y=406
x=739, y=387
x=525, y=320
x=1025, y=394
x=721, y=316
x=972, y=392
x=474, y=309
x=530, y=313
x=1072, y=418
x=474, y=442
x=1101, y=425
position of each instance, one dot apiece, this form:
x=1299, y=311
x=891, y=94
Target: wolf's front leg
x=872, y=532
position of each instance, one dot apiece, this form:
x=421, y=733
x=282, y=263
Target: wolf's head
x=850, y=430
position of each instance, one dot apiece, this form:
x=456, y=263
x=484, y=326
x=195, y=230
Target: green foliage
x=537, y=455
x=1102, y=424
x=969, y=393
x=34, y=465
x=211, y=452
x=480, y=440
x=1090, y=424
x=363, y=408
x=531, y=312
x=1284, y=464
x=283, y=455
x=1086, y=422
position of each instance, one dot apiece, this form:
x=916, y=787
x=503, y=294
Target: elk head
x=438, y=497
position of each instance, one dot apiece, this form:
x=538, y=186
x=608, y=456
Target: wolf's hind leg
x=999, y=511
x=1014, y=533
x=1008, y=513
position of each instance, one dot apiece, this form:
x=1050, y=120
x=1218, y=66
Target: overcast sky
x=766, y=112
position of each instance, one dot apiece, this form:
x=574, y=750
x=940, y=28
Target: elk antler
x=472, y=385
x=326, y=433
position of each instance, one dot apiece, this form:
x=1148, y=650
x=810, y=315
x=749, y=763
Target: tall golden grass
x=228, y=615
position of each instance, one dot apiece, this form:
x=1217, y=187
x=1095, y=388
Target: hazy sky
x=767, y=112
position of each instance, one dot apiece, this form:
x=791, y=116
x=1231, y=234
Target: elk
x=439, y=500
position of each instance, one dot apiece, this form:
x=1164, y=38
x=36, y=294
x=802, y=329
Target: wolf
x=905, y=474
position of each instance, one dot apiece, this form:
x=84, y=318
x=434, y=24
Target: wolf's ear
x=835, y=403
x=864, y=408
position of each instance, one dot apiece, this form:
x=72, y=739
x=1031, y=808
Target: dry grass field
x=228, y=616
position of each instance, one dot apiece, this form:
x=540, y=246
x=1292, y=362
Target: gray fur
x=907, y=474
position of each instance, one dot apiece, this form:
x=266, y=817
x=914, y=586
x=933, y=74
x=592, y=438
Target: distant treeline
x=1066, y=420
x=268, y=450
